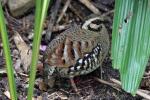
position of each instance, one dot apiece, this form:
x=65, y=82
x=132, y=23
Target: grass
x=9, y=65
x=41, y=9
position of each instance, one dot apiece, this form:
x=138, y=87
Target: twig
x=146, y=77
x=75, y=11
x=54, y=11
x=89, y=5
x=63, y=11
x=60, y=27
x=100, y=6
x=139, y=92
x=67, y=92
x=107, y=13
x=115, y=86
x=22, y=74
x=145, y=91
x=55, y=29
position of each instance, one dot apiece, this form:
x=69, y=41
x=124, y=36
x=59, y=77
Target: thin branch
x=91, y=7
x=115, y=86
x=54, y=11
x=139, y=92
x=60, y=27
x=107, y=13
x=75, y=11
x=63, y=11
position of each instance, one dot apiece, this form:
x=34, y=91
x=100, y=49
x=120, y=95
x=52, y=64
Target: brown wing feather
x=69, y=46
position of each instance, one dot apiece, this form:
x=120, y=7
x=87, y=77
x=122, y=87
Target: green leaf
x=131, y=41
x=41, y=9
x=9, y=66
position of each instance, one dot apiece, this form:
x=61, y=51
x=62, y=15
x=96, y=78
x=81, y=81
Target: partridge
x=77, y=51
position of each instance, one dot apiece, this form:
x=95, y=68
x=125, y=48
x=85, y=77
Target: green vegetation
x=9, y=66
x=131, y=41
x=41, y=10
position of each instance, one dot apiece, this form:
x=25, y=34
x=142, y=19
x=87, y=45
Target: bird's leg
x=51, y=81
x=49, y=78
x=74, y=85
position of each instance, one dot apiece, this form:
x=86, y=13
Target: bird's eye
x=97, y=22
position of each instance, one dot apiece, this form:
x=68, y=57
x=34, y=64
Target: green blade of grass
x=9, y=66
x=131, y=41
x=138, y=47
x=41, y=9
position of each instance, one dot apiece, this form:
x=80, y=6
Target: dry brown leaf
x=56, y=95
x=25, y=51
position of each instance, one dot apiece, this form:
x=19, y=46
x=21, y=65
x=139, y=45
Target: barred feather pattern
x=76, y=51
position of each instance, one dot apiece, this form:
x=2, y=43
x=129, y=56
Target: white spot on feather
x=95, y=58
x=80, y=61
x=65, y=54
x=71, y=72
x=85, y=63
x=84, y=66
x=86, y=55
x=97, y=47
x=78, y=67
x=90, y=62
x=72, y=68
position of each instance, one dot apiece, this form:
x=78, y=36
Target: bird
x=78, y=50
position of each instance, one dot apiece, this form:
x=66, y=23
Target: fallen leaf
x=7, y=93
x=25, y=51
x=17, y=65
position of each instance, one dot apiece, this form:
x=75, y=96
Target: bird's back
x=77, y=51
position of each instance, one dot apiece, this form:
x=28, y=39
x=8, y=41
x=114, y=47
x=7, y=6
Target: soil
x=88, y=87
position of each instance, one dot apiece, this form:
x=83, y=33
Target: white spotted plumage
x=80, y=61
x=72, y=68
x=78, y=67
